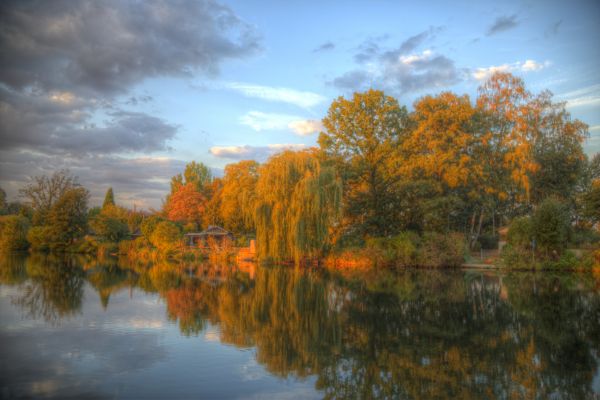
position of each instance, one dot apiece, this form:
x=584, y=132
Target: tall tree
x=197, y=174
x=297, y=201
x=239, y=195
x=109, y=198
x=186, y=205
x=362, y=138
x=44, y=191
x=67, y=219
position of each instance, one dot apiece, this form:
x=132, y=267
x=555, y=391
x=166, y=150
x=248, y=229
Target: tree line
x=381, y=177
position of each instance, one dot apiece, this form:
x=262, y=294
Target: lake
x=75, y=327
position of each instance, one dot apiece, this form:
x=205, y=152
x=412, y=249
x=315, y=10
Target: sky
x=124, y=93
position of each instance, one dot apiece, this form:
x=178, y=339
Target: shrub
x=166, y=237
x=109, y=228
x=441, y=250
x=517, y=257
x=39, y=238
x=520, y=233
x=13, y=233
x=551, y=226
x=148, y=225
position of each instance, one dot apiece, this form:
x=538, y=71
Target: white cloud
x=305, y=127
x=410, y=59
x=277, y=94
x=588, y=96
x=260, y=121
x=519, y=66
x=252, y=152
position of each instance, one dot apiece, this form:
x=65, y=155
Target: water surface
x=89, y=328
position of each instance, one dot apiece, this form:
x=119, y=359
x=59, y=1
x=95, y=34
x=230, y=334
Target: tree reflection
x=382, y=334
x=54, y=289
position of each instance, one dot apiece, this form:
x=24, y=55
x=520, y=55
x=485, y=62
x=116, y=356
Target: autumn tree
x=44, y=191
x=362, y=139
x=67, y=218
x=239, y=195
x=196, y=174
x=186, y=205
x=297, y=202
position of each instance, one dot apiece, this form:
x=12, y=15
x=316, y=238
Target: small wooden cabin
x=211, y=236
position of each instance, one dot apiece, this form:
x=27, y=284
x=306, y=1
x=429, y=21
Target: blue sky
x=124, y=94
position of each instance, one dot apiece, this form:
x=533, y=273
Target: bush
x=517, y=257
x=441, y=250
x=551, y=226
x=109, y=228
x=166, y=237
x=520, y=233
x=13, y=233
x=39, y=238
x=148, y=225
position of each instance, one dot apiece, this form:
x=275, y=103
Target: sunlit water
x=85, y=328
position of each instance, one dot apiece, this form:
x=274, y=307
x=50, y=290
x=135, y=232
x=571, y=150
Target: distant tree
x=362, y=139
x=67, y=218
x=109, y=228
x=3, y=203
x=13, y=232
x=196, y=174
x=43, y=192
x=109, y=198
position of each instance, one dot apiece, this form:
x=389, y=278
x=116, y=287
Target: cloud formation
x=61, y=123
x=519, y=66
x=584, y=97
x=247, y=152
x=327, y=46
x=400, y=72
x=502, y=23
x=301, y=99
x=306, y=127
x=106, y=47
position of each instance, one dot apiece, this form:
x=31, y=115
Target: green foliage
x=362, y=140
x=166, y=237
x=109, y=228
x=109, y=198
x=441, y=250
x=39, y=238
x=13, y=233
x=3, y=203
x=195, y=173
x=551, y=226
x=149, y=224
x=400, y=250
x=520, y=233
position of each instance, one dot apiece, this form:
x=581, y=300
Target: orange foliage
x=186, y=205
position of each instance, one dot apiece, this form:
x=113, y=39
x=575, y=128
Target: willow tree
x=238, y=196
x=297, y=202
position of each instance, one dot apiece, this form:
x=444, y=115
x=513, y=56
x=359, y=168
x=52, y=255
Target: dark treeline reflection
x=411, y=334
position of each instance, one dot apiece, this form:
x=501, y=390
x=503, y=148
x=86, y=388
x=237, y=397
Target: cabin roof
x=212, y=230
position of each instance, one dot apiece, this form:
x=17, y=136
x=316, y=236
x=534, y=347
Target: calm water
x=81, y=328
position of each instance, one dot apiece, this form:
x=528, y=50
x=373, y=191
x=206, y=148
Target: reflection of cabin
x=212, y=236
